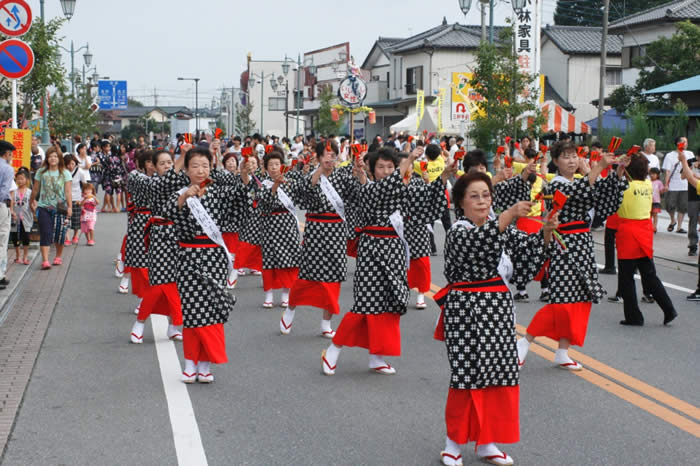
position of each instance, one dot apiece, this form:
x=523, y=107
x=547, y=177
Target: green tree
x=325, y=124
x=133, y=102
x=507, y=93
x=72, y=115
x=245, y=125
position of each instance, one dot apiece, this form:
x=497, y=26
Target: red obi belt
x=151, y=222
x=379, y=232
x=325, y=217
x=495, y=285
x=573, y=228
x=200, y=241
x=277, y=212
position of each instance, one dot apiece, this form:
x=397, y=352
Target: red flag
x=424, y=166
x=633, y=150
x=543, y=148
x=269, y=148
x=500, y=150
x=246, y=151
x=558, y=202
x=218, y=133
x=294, y=162
x=614, y=144
x=581, y=152
x=188, y=138
x=459, y=155
x=356, y=149
x=681, y=146
x=509, y=161
x=508, y=138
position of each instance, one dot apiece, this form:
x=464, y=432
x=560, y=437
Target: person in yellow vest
x=635, y=245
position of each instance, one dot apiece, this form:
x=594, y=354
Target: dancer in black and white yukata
x=477, y=321
x=249, y=252
x=197, y=212
x=323, y=260
x=573, y=274
x=162, y=296
x=136, y=257
x=230, y=229
x=279, y=228
x=380, y=290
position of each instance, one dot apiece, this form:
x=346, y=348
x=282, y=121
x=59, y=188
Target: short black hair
x=597, y=145
x=460, y=188
x=474, y=158
x=677, y=139
x=566, y=146
x=655, y=170
x=432, y=151
x=228, y=156
x=5, y=147
x=384, y=153
x=143, y=157
x=530, y=153
x=638, y=168
x=197, y=152
x=321, y=146
x=237, y=138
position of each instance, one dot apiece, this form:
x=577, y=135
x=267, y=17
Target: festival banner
x=440, y=102
x=527, y=42
x=420, y=106
x=22, y=140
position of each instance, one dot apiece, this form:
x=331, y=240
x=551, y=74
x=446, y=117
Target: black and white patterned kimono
x=324, y=246
x=380, y=284
x=479, y=327
x=202, y=271
x=573, y=272
x=137, y=187
x=280, y=239
x=163, y=248
x=250, y=221
x=424, y=206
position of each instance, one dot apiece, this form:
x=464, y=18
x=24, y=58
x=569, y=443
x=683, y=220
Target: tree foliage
x=325, y=124
x=131, y=102
x=143, y=127
x=245, y=125
x=590, y=13
x=71, y=115
x=507, y=94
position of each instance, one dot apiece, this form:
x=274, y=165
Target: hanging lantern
x=334, y=114
x=372, y=117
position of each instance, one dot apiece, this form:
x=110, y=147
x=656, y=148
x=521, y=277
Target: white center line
x=666, y=284
x=188, y=442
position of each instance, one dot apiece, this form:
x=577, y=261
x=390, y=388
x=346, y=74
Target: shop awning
x=558, y=120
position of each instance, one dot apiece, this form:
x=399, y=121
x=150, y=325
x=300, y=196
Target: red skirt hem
x=205, y=344
x=323, y=295
x=248, y=256
x=380, y=333
x=562, y=320
x=163, y=300
x=231, y=241
x=139, y=281
x=419, y=276
x=275, y=279
x=485, y=415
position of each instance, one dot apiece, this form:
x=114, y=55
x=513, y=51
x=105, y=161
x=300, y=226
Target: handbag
x=62, y=207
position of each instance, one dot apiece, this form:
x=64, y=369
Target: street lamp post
x=299, y=89
x=87, y=56
x=68, y=7
x=196, y=102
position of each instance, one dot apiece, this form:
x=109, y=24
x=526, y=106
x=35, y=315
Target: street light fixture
x=285, y=67
x=87, y=56
x=68, y=7
x=196, y=101
x=465, y=5
x=518, y=4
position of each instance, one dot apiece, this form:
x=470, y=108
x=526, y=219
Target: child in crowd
x=22, y=217
x=79, y=178
x=88, y=213
x=658, y=188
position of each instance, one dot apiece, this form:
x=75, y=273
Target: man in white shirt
x=297, y=147
x=677, y=187
x=649, y=151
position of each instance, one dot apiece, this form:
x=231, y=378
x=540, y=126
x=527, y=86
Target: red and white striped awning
x=558, y=120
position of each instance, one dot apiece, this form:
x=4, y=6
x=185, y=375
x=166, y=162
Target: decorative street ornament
x=352, y=90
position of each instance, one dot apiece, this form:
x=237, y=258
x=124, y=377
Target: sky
x=150, y=43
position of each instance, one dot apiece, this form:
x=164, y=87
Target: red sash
x=153, y=221
x=379, y=232
x=325, y=217
x=573, y=228
x=200, y=241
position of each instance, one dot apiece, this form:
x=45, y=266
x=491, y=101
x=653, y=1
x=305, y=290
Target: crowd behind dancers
x=202, y=213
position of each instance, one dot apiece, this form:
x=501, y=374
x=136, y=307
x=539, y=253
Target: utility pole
x=155, y=97
x=603, y=56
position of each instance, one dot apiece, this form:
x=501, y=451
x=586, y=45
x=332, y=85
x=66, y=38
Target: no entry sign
x=16, y=59
x=15, y=17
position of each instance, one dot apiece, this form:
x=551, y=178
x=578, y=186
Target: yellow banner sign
x=420, y=106
x=22, y=140
x=440, y=103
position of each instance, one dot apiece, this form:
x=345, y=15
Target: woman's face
x=274, y=167
x=21, y=180
x=198, y=169
x=328, y=160
x=165, y=163
x=149, y=168
x=476, y=203
x=231, y=164
x=82, y=152
x=52, y=159
x=71, y=165
x=567, y=163
x=383, y=168
x=253, y=161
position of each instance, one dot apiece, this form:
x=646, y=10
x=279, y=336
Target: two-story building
x=640, y=29
x=571, y=64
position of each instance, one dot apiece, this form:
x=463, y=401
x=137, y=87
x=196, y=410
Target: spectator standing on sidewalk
x=677, y=188
x=51, y=199
x=78, y=179
x=22, y=217
x=649, y=151
x=7, y=175
x=693, y=205
x=693, y=180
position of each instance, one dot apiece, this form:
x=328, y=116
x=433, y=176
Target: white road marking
x=666, y=284
x=188, y=441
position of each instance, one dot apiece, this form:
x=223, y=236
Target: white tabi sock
x=124, y=283
x=232, y=277
x=376, y=360
x=190, y=367
x=269, y=297
x=288, y=316
x=561, y=356
x=523, y=347
x=285, y=295
x=489, y=449
x=452, y=448
x=137, y=328
x=326, y=325
x=332, y=354
x=204, y=367
x=420, y=299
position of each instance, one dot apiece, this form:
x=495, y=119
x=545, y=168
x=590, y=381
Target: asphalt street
x=94, y=398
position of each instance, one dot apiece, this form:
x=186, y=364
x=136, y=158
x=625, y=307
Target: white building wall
x=584, y=79
x=553, y=65
x=642, y=36
x=273, y=121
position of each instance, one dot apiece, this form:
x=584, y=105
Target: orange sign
x=22, y=140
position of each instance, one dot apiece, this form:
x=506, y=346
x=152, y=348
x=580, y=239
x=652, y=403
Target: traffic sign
x=112, y=95
x=15, y=17
x=16, y=59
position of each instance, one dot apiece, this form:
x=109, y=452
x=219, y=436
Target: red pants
x=380, y=334
x=558, y=321
x=205, y=344
x=274, y=279
x=231, y=242
x=163, y=300
x=486, y=415
x=419, y=274
x=248, y=256
x=139, y=281
x=324, y=295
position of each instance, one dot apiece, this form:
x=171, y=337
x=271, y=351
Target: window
x=613, y=76
x=276, y=104
x=630, y=54
x=414, y=79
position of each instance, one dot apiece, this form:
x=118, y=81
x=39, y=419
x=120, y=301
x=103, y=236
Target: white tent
x=428, y=123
